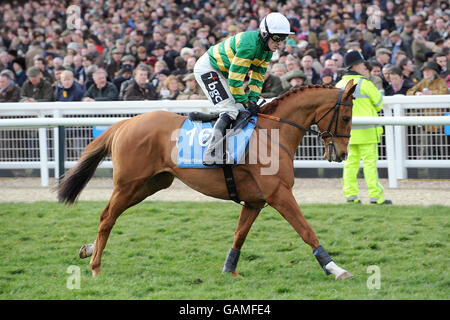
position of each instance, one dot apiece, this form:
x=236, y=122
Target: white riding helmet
x=274, y=24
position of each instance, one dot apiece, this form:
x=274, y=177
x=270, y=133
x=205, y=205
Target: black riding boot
x=214, y=152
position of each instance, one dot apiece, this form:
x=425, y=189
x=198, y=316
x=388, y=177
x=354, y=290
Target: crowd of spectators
x=101, y=50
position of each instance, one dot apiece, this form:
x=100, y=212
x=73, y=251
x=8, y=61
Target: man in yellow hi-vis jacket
x=364, y=140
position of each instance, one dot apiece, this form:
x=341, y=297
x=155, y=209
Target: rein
x=335, y=119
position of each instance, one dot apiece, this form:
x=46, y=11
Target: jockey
x=221, y=72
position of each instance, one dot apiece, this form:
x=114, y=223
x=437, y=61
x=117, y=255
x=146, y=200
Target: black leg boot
x=214, y=153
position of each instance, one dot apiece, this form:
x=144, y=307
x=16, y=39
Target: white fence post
x=390, y=153
x=43, y=156
x=56, y=114
x=400, y=145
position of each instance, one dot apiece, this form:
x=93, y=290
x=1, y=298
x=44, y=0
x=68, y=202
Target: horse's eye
x=345, y=119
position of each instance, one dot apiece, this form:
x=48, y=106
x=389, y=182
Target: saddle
x=203, y=117
x=241, y=120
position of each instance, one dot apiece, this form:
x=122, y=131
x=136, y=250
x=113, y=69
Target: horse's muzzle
x=333, y=153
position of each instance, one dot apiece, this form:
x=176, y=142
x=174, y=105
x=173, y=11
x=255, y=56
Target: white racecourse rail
x=414, y=134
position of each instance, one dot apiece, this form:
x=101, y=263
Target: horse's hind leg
x=122, y=198
x=246, y=219
x=156, y=183
x=284, y=202
x=119, y=202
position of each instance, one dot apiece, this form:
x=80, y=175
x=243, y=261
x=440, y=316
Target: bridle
x=324, y=134
x=334, y=118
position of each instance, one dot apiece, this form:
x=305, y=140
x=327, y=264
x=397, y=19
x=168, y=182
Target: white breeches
x=215, y=87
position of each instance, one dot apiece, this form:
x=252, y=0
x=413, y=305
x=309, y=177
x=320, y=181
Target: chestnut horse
x=143, y=149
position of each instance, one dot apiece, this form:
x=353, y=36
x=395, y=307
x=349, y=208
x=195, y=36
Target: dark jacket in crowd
x=10, y=94
x=315, y=78
x=119, y=80
x=169, y=58
x=47, y=76
x=108, y=93
x=419, y=49
x=42, y=92
x=89, y=82
x=80, y=74
x=135, y=92
x=74, y=93
x=179, y=72
x=366, y=49
x=272, y=87
x=413, y=79
x=405, y=48
x=389, y=91
x=152, y=45
x=113, y=69
x=20, y=78
x=123, y=86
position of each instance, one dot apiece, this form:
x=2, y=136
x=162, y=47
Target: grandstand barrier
x=30, y=133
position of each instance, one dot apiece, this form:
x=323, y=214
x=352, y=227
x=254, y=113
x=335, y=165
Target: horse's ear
x=349, y=89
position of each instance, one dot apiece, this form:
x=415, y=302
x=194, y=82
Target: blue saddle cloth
x=191, y=145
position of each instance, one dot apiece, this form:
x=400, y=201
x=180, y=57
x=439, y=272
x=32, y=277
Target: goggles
x=278, y=37
x=274, y=37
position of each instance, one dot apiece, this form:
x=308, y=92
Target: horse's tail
x=77, y=177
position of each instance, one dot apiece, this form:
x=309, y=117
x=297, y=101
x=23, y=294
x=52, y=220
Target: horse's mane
x=270, y=107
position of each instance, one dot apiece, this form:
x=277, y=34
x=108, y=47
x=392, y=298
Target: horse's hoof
x=232, y=273
x=95, y=272
x=344, y=275
x=86, y=251
x=235, y=274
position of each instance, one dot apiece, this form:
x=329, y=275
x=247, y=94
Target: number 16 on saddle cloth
x=191, y=143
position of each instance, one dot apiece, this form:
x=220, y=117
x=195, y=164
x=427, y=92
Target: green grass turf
x=176, y=250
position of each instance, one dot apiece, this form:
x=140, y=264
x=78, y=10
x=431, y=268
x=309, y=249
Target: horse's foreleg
x=246, y=219
x=284, y=202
